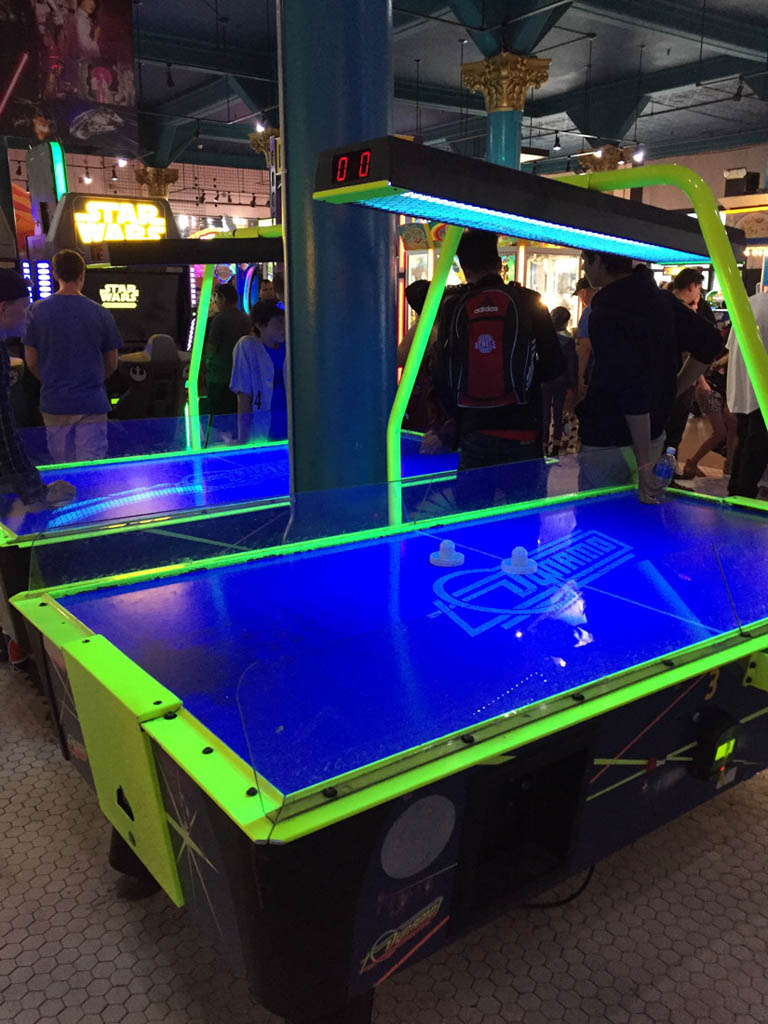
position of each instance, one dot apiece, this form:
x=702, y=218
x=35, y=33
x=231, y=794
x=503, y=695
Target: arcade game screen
x=143, y=302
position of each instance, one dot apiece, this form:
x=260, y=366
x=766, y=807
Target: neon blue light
x=416, y=204
x=247, y=289
x=44, y=280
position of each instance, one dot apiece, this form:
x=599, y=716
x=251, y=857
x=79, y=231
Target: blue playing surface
x=314, y=664
x=128, y=490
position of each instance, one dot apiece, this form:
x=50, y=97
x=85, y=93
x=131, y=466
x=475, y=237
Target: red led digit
x=365, y=164
x=341, y=168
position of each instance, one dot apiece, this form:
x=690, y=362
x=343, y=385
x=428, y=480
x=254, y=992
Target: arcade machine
x=143, y=301
x=452, y=729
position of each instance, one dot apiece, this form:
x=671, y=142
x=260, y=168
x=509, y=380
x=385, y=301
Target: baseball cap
x=12, y=286
x=583, y=282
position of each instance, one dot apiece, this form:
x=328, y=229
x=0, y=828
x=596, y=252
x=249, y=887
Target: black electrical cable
x=550, y=905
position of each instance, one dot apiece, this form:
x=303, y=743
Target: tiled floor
x=674, y=929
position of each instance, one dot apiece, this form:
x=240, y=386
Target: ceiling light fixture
x=597, y=152
x=87, y=179
x=639, y=155
x=122, y=162
x=557, y=147
x=114, y=172
x=622, y=159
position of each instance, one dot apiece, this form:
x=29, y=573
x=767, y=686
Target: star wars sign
x=119, y=296
x=112, y=220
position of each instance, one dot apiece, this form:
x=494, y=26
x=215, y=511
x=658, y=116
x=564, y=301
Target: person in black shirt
x=638, y=333
x=511, y=432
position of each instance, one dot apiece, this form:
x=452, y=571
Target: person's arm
x=110, y=362
x=244, y=413
x=439, y=355
x=32, y=360
x=649, y=486
x=550, y=363
x=700, y=339
x=405, y=345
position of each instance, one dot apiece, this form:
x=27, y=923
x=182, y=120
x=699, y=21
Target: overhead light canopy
x=404, y=177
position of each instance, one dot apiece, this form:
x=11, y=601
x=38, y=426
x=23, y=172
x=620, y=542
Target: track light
x=639, y=155
x=557, y=147
x=260, y=127
x=622, y=160
x=253, y=200
x=122, y=162
x=114, y=172
x=87, y=179
x=597, y=153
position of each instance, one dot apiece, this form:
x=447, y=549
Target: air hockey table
x=181, y=503
x=340, y=755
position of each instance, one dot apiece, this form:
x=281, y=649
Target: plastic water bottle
x=666, y=466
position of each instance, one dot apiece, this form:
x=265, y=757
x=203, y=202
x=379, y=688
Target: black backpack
x=491, y=354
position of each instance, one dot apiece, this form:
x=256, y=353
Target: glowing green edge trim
x=201, y=323
x=155, y=520
x=59, y=169
x=177, y=454
x=357, y=193
x=716, y=239
x=319, y=544
x=432, y=302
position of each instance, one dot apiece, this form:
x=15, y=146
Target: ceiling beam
x=441, y=97
x=732, y=36
x=632, y=87
x=196, y=101
x=410, y=16
x=474, y=14
x=200, y=55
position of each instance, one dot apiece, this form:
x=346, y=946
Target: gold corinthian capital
x=505, y=79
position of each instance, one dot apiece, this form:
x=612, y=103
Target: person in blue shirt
x=71, y=346
x=17, y=473
x=258, y=375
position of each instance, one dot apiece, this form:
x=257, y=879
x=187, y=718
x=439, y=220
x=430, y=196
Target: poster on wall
x=66, y=72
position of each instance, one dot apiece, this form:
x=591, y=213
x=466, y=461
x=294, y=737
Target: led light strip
x=417, y=204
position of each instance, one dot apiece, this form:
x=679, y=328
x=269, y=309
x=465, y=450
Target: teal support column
x=336, y=89
x=504, y=80
x=505, y=129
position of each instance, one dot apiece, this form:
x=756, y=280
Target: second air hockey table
x=340, y=755
x=182, y=504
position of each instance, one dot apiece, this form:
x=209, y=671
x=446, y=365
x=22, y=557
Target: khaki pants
x=76, y=438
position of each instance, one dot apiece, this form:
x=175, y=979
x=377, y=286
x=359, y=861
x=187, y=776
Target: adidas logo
x=485, y=344
x=486, y=309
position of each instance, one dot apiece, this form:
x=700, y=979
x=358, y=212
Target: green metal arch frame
x=718, y=246
x=201, y=322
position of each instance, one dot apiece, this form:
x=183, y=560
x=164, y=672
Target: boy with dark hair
x=71, y=346
x=638, y=333
x=17, y=474
x=258, y=375
x=686, y=286
x=495, y=346
x=224, y=330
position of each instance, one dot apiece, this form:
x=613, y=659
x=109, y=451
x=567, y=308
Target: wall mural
x=66, y=72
